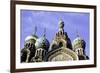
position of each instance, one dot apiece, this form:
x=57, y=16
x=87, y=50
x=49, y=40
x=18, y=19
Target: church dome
x=30, y=41
x=31, y=37
x=42, y=43
x=78, y=43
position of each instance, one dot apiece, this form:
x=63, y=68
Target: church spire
x=35, y=30
x=44, y=33
x=77, y=34
x=61, y=24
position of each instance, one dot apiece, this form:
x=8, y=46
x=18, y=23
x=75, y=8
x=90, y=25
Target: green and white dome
x=78, y=43
x=31, y=39
x=42, y=43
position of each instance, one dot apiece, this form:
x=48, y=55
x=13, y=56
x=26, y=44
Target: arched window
x=54, y=46
x=60, y=32
x=31, y=45
x=28, y=45
x=60, y=44
x=81, y=51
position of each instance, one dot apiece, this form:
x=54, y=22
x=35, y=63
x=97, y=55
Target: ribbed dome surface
x=78, y=43
x=34, y=37
x=42, y=43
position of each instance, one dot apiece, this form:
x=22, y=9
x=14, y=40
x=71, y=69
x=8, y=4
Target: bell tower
x=61, y=38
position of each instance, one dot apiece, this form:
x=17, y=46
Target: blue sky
x=74, y=22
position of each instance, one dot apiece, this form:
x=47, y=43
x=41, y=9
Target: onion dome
x=31, y=37
x=30, y=41
x=42, y=43
x=78, y=43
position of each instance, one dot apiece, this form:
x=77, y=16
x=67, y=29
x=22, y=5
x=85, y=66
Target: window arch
x=60, y=44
